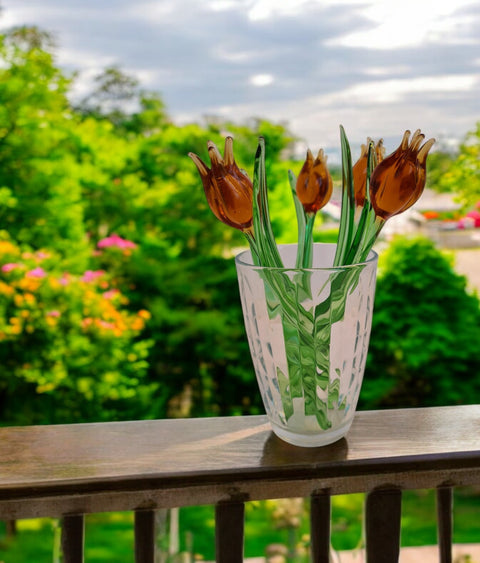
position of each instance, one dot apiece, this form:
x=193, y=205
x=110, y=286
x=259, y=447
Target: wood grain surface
x=228, y=458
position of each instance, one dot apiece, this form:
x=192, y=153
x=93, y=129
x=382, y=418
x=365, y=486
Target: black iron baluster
x=145, y=535
x=383, y=512
x=445, y=523
x=229, y=531
x=73, y=537
x=320, y=516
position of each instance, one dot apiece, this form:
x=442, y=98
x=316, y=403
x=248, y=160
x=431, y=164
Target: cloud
x=412, y=23
x=376, y=66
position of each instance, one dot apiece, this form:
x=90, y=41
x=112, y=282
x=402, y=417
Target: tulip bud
x=398, y=181
x=314, y=184
x=229, y=191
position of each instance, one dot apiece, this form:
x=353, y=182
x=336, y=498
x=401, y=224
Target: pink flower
x=115, y=240
x=110, y=294
x=475, y=216
x=91, y=275
x=10, y=266
x=37, y=273
x=65, y=279
x=105, y=324
x=53, y=313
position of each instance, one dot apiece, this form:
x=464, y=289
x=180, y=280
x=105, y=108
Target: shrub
x=425, y=334
x=69, y=349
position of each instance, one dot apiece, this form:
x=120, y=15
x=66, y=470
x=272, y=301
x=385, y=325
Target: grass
x=109, y=537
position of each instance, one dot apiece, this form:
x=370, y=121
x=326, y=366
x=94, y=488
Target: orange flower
x=359, y=170
x=229, y=191
x=5, y=289
x=314, y=184
x=137, y=324
x=398, y=181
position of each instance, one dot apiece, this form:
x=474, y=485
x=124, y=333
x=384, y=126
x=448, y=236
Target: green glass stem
x=371, y=237
x=346, y=230
x=307, y=259
x=267, y=250
x=253, y=246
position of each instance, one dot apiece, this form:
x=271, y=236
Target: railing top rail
x=197, y=452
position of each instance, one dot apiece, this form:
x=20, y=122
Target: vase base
x=311, y=440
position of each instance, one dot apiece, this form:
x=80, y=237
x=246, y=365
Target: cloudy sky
x=376, y=66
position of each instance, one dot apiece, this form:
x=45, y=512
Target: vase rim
x=244, y=259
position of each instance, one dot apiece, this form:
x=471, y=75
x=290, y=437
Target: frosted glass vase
x=308, y=332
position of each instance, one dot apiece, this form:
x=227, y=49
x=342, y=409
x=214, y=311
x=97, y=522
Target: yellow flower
x=29, y=298
x=29, y=284
x=45, y=387
x=7, y=247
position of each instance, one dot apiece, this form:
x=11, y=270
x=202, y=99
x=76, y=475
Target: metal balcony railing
x=68, y=471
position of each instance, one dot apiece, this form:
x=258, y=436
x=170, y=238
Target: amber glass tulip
x=228, y=190
x=360, y=170
x=398, y=181
x=314, y=183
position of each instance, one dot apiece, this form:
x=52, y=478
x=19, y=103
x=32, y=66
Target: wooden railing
x=68, y=471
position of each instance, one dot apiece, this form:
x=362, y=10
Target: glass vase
x=308, y=332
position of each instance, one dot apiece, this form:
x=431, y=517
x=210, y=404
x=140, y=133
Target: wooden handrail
x=68, y=470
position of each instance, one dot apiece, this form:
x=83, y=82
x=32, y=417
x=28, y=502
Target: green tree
x=463, y=176
x=425, y=332
x=40, y=197
x=117, y=96
x=439, y=164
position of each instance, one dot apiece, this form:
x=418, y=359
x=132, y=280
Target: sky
x=377, y=67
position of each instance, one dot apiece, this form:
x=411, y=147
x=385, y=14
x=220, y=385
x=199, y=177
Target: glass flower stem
x=253, y=246
x=301, y=220
x=266, y=245
x=308, y=244
x=372, y=233
x=364, y=218
x=347, y=225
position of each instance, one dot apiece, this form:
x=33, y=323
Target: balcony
x=68, y=471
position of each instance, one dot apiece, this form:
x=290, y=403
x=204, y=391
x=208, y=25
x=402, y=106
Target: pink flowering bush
x=116, y=241
x=69, y=347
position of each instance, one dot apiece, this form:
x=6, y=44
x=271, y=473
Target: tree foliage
x=425, y=332
x=40, y=191
x=463, y=175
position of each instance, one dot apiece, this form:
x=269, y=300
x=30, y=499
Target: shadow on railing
x=68, y=471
